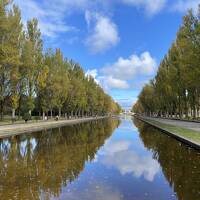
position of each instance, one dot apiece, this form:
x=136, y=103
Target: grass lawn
x=186, y=133
x=20, y=121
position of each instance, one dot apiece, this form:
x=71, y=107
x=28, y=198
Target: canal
x=108, y=159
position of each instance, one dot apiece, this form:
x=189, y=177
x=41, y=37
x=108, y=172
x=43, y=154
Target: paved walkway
x=16, y=129
x=189, y=137
x=183, y=124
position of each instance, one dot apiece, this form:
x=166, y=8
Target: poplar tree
x=32, y=56
x=10, y=36
x=4, y=30
x=14, y=53
x=61, y=80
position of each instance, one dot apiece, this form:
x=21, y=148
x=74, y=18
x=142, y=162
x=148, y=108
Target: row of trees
x=36, y=81
x=176, y=88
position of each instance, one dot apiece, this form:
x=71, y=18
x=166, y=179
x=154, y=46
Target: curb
x=174, y=135
x=177, y=119
x=36, y=127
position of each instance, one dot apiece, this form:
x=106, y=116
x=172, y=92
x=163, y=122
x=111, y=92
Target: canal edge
x=172, y=134
x=39, y=127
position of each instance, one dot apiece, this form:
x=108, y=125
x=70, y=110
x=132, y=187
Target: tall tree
x=15, y=39
x=61, y=80
x=10, y=36
x=32, y=60
x=4, y=58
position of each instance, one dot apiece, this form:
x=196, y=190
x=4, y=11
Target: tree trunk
x=13, y=113
x=82, y=114
x=19, y=108
x=1, y=110
x=51, y=113
x=194, y=112
x=43, y=115
x=79, y=113
x=75, y=114
x=71, y=114
x=19, y=114
x=59, y=113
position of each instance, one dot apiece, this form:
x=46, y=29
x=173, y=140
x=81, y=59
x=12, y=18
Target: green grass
x=7, y=122
x=186, y=133
x=18, y=121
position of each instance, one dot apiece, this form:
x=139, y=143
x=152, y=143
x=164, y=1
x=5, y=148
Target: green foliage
x=26, y=117
x=10, y=40
x=176, y=87
x=32, y=80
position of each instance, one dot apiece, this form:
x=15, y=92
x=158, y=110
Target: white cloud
x=127, y=68
x=108, y=82
x=92, y=73
x=50, y=14
x=185, y=5
x=88, y=17
x=53, y=14
x=118, y=74
x=113, y=147
x=151, y=7
x=104, y=34
x=127, y=161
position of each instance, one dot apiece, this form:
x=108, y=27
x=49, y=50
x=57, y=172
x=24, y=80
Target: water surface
x=99, y=160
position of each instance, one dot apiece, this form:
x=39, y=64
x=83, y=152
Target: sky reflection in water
x=122, y=169
x=100, y=160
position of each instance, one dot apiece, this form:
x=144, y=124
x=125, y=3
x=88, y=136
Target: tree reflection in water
x=180, y=164
x=37, y=166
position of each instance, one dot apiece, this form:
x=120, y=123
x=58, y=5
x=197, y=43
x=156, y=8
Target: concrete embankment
x=16, y=129
x=188, y=135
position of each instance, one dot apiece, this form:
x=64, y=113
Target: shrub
x=26, y=117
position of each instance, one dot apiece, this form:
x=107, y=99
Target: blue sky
x=119, y=42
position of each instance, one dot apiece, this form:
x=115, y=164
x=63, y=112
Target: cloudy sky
x=119, y=42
